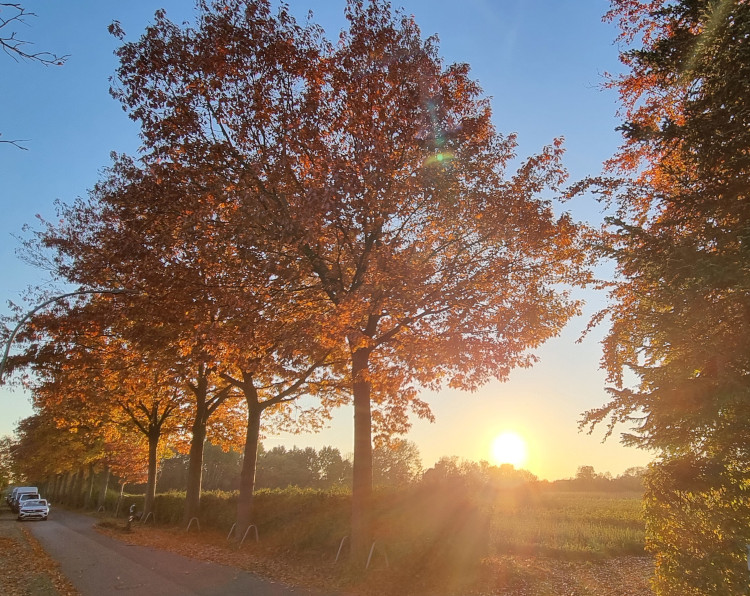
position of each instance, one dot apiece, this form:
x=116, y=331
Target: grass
x=569, y=525
x=444, y=539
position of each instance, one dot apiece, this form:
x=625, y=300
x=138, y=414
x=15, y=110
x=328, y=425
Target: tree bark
x=90, y=491
x=103, y=489
x=119, y=499
x=195, y=465
x=361, y=536
x=75, y=488
x=153, y=444
x=247, y=476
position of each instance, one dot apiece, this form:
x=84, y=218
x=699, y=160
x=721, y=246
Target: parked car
x=23, y=497
x=33, y=509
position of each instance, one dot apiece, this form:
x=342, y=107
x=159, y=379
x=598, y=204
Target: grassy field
x=587, y=526
x=451, y=541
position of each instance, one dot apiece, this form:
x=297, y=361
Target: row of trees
x=309, y=225
x=396, y=465
x=334, y=221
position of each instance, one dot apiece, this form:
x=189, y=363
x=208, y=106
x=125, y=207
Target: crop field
x=569, y=525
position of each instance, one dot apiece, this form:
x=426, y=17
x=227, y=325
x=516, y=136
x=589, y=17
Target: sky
x=542, y=63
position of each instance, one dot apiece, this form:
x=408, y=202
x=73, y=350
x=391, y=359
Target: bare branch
x=15, y=47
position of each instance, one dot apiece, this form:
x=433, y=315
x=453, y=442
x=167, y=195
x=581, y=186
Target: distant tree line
x=398, y=464
x=587, y=479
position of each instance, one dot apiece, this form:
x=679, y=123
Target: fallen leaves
x=26, y=569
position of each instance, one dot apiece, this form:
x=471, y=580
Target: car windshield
x=34, y=502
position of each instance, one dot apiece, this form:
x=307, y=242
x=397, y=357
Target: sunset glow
x=509, y=448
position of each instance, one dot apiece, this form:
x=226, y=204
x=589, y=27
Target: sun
x=509, y=448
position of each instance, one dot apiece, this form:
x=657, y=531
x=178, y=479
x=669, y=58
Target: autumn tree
x=88, y=376
x=106, y=240
x=375, y=170
x=679, y=316
x=8, y=473
x=226, y=320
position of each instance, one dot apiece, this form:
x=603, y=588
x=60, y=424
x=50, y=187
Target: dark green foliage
x=681, y=310
x=697, y=515
x=277, y=468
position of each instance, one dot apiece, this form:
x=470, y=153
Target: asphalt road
x=97, y=565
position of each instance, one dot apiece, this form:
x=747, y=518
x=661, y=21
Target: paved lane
x=98, y=565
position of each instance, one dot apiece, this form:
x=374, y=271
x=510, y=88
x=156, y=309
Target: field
x=449, y=542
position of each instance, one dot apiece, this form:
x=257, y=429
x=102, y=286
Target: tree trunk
x=247, y=476
x=153, y=444
x=58, y=491
x=195, y=464
x=90, y=492
x=361, y=536
x=74, y=488
x=103, y=489
x=80, y=488
x=119, y=500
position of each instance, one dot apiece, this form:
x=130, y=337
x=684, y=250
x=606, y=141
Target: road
x=97, y=564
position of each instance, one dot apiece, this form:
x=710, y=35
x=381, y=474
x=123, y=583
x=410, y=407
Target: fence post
x=190, y=523
x=246, y=531
x=372, y=550
x=341, y=545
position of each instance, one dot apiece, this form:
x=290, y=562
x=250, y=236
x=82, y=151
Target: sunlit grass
x=579, y=525
x=447, y=538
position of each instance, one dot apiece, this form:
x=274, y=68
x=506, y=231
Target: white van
x=18, y=491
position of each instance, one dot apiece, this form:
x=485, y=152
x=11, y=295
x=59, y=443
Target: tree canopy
x=305, y=211
x=679, y=238
x=374, y=170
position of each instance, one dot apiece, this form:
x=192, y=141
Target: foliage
x=696, y=513
x=8, y=466
x=371, y=171
x=277, y=468
x=396, y=463
x=587, y=479
x=679, y=239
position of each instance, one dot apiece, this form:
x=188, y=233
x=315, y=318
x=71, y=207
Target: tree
x=8, y=472
x=334, y=470
x=281, y=467
x=88, y=376
x=232, y=319
x=396, y=463
x=375, y=170
x=679, y=317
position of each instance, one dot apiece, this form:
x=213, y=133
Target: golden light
x=509, y=448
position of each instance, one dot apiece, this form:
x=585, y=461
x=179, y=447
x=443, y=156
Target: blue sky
x=540, y=61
